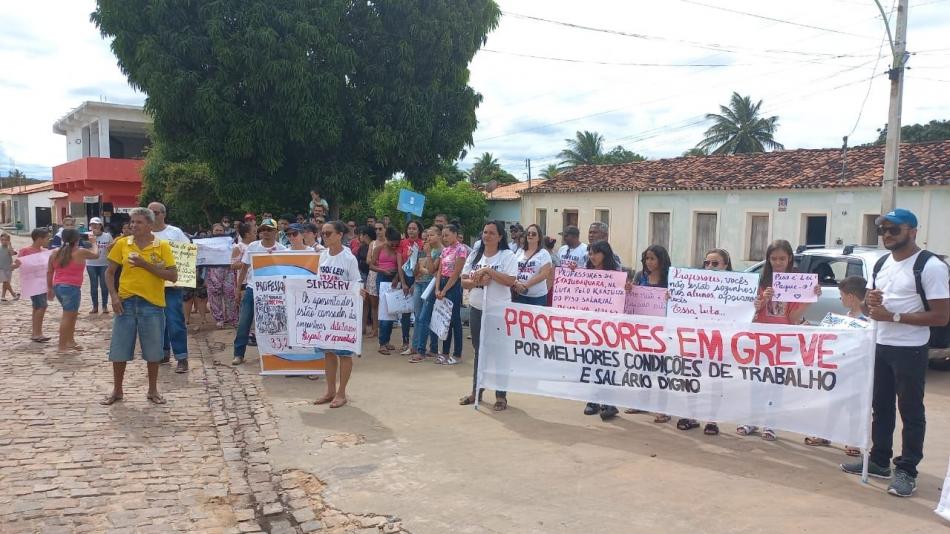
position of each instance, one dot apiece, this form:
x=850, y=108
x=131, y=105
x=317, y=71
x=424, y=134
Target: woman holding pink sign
x=779, y=258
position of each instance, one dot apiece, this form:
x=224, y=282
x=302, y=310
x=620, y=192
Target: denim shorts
x=340, y=353
x=40, y=302
x=68, y=296
x=141, y=319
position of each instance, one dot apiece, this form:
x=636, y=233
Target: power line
x=773, y=19
x=871, y=81
x=613, y=63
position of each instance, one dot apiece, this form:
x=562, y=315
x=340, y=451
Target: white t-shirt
x=103, y=259
x=896, y=280
x=256, y=246
x=503, y=261
x=573, y=257
x=343, y=266
x=172, y=233
x=529, y=268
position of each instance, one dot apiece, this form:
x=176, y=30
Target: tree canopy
x=461, y=200
x=587, y=148
x=918, y=133
x=279, y=96
x=738, y=129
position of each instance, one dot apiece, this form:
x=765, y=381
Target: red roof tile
x=920, y=164
x=511, y=191
x=27, y=189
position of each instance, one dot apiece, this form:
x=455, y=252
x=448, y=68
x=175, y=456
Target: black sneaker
x=252, y=340
x=904, y=485
x=182, y=367
x=874, y=470
x=591, y=408
x=608, y=412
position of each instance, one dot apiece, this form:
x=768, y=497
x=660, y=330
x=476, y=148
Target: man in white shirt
x=515, y=234
x=903, y=331
x=176, y=334
x=573, y=253
x=267, y=243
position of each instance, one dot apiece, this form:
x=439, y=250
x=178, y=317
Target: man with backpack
x=909, y=299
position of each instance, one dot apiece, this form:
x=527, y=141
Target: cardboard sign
x=834, y=320
x=214, y=251
x=645, y=300
x=33, y=273
x=411, y=202
x=325, y=315
x=186, y=257
x=398, y=302
x=715, y=295
x=589, y=290
x=384, y=313
x=794, y=287
x=441, y=318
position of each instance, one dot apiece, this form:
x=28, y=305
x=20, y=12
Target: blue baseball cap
x=898, y=216
x=296, y=227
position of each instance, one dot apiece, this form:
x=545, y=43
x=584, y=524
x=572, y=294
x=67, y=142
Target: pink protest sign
x=589, y=290
x=645, y=300
x=794, y=287
x=33, y=273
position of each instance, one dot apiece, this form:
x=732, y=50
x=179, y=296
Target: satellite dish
x=491, y=185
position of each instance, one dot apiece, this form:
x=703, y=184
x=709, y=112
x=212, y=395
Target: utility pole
x=896, y=75
x=528, y=162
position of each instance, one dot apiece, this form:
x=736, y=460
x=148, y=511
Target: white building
x=30, y=205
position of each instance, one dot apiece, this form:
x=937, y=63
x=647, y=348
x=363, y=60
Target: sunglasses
x=533, y=233
x=712, y=263
x=293, y=233
x=327, y=234
x=891, y=230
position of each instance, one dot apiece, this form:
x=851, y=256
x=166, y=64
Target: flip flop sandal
x=42, y=339
x=632, y=410
x=745, y=430
x=500, y=405
x=817, y=442
x=711, y=429
x=687, y=424
x=660, y=419
x=338, y=404
x=852, y=451
x=467, y=400
x=111, y=399
x=769, y=435
x=156, y=398
x=323, y=400
x=384, y=351
x=417, y=358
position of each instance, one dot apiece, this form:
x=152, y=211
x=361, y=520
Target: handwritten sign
x=716, y=295
x=33, y=273
x=399, y=302
x=441, y=318
x=834, y=320
x=794, y=287
x=590, y=290
x=186, y=255
x=645, y=300
x=214, y=251
x=325, y=314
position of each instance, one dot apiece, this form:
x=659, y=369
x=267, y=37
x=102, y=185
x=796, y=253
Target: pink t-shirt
x=450, y=255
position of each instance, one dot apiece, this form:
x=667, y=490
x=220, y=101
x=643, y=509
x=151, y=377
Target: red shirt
x=775, y=312
x=355, y=246
x=405, y=245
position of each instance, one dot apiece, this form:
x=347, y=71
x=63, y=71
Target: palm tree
x=695, y=152
x=739, y=129
x=587, y=148
x=550, y=171
x=483, y=169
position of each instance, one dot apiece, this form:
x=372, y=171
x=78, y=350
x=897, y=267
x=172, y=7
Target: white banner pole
x=866, y=452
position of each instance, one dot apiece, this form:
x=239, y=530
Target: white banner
x=325, y=314
x=441, y=318
x=810, y=380
x=214, y=250
x=270, y=317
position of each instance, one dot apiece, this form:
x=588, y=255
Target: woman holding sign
x=337, y=263
x=447, y=285
x=779, y=258
x=488, y=274
x=534, y=269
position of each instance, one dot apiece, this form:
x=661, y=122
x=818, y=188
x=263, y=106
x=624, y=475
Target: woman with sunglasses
x=295, y=236
x=534, y=269
x=337, y=263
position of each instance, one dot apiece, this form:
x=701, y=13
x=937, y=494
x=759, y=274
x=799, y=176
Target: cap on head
x=296, y=227
x=898, y=216
x=95, y=220
x=571, y=230
x=268, y=223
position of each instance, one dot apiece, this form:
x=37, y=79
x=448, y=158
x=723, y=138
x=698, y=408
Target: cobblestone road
x=197, y=464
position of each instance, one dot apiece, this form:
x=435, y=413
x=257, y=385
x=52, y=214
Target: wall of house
x=37, y=200
x=621, y=207
x=504, y=210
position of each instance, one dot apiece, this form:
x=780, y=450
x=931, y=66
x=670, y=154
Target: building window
x=704, y=236
x=869, y=232
x=814, y=229
x=570, y=218
x=660, y=229
x=541, y=218
x=602, y=216
x=758, y=236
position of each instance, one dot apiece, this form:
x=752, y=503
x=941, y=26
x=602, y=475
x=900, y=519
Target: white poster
x=398, y=302
x=270, y=317
x=441, y=318
x=804, y=379
x=325, y=314
x=384, y=313
x=943, y=507
x=214, y=250
x=712, y=295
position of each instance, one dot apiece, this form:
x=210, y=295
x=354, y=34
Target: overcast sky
x=643, y=74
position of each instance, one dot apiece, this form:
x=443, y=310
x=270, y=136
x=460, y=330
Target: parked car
x=835, y=264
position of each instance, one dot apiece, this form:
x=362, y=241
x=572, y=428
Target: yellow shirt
x=136, y=281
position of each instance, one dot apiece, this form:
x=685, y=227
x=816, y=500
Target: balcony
x=119, y=181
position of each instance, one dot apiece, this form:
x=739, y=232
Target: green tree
x=695, y=152
x=450, y=172
x=587, y=148
x=550, y=171
x=486, y=168
x=459, y=201
x=279, y=96
x=619, y=154
x=738, y=129
x=14, y=178
x=919, y=133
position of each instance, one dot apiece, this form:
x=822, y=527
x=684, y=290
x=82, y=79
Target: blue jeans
x=139, y=318
x=245, y=319
x=534, y=301
x=97, y=280
x=406, y=319
x=423, y=311
x=176, y=335
x=455, y=327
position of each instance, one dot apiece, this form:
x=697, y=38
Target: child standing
x=6, y=267
x=40, y=238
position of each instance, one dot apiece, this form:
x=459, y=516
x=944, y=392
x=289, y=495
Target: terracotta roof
x=511, y=191
x=920, y=164
x=27, y=189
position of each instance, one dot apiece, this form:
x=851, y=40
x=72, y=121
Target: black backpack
x=939, y=335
